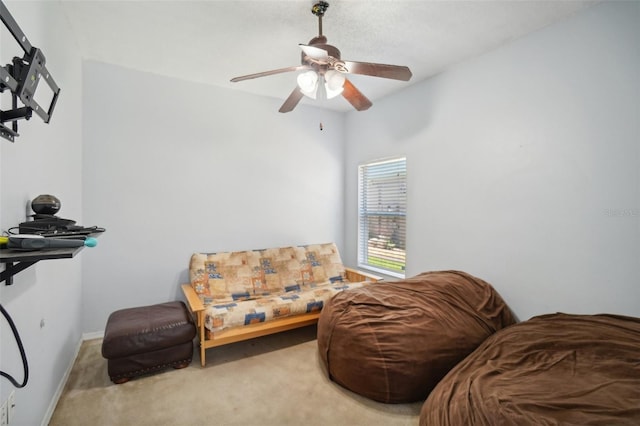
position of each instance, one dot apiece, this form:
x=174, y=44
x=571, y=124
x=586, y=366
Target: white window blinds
x=382, y=210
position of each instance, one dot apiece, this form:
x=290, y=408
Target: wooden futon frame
x=211, y=340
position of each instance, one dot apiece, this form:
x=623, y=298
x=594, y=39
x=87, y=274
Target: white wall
x=523, y=166
x=172, y=167
x=45, y=158
x=523, y=169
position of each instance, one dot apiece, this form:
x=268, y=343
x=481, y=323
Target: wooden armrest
x=354, y=276
x=195, y=304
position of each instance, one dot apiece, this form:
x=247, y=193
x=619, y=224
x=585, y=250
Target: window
x=382, y=210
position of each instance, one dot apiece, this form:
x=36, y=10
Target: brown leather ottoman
x=142, y=340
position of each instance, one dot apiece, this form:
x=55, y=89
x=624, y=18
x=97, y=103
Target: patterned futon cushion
x=255, y=274
x=219, y=316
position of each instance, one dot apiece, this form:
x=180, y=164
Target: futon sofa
x=240, y=295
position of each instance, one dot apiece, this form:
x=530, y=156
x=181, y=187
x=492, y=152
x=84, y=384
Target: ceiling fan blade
x=314, y=52
x=355, y=97
x=395, y=72
x=272, y=72
x=292, y=100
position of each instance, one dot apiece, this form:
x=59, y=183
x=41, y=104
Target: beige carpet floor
x=273, y=380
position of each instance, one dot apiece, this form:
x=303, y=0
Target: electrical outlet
x=11, y=405
x=3, y=414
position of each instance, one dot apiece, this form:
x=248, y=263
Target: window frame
x=363, y=229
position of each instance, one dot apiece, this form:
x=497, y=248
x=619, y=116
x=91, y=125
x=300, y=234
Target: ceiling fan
x=324, y=71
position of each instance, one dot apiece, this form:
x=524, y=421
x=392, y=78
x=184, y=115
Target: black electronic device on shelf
x=45, y=237
x=47, y=224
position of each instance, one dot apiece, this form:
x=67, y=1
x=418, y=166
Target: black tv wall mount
x=22, y=78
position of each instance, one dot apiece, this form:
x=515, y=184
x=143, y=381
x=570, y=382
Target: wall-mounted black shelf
x=18, y=260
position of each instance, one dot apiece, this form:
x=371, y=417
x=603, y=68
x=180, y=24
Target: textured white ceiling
x=212, y=41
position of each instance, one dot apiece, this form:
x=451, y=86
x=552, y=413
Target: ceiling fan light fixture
x=308, y=83
x=322, y=77
x=334, y=83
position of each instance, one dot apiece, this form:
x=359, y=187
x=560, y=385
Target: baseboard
x=93, y=335
x=65, y=377
x=60, y=389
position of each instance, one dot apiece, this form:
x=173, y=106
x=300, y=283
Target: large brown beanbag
x=393, y=341
x=555, y=369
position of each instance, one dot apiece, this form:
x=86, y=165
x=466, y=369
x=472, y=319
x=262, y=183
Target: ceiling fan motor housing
x=321, y=43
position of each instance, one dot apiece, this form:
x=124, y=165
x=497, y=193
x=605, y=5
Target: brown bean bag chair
x=393, y=341
x=555, y=369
